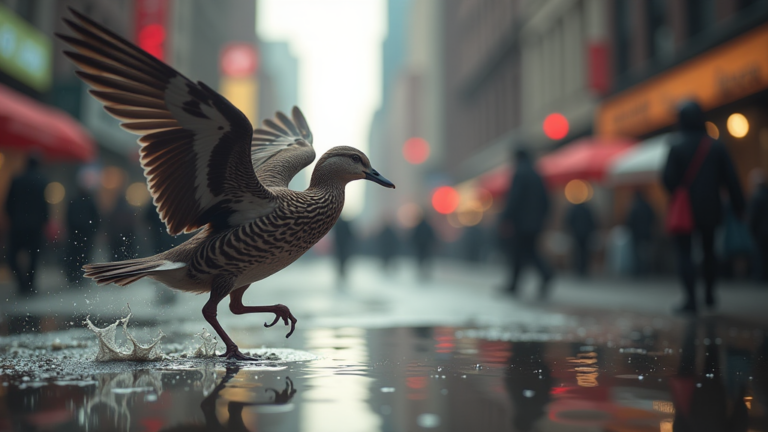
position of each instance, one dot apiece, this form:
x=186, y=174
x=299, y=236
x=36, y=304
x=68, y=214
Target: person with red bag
x=697, y=169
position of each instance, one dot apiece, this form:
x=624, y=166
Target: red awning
x=585, y=159
x=28, y=125
x=497, y=180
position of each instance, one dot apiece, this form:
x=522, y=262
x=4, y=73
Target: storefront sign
x=25, y=52
x=724, y=74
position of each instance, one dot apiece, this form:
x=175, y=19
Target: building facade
x=711, y=51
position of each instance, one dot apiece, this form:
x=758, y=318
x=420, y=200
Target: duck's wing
x=281, y=148
x=195, y=144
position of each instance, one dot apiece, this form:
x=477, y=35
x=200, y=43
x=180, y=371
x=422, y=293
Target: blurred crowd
x=87, y=231
x=728, y=230
x=731, y=231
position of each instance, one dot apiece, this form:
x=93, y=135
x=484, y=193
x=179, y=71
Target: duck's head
x=348, y=164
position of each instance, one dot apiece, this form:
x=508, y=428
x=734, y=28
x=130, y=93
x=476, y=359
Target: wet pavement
x=503, y=364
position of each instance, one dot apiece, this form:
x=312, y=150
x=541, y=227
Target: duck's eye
x=356, y=158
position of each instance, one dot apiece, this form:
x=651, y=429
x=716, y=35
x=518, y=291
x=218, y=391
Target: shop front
x=730, y=82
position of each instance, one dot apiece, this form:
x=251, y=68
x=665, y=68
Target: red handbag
x=679, y=215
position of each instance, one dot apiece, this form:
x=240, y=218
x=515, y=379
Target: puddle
x=595, y=375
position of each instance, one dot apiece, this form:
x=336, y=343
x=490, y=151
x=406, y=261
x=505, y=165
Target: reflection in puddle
x=705, y=375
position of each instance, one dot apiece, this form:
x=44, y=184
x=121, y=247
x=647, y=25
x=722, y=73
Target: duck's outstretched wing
x=195, y=144
x=281, y=148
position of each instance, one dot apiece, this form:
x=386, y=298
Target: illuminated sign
x=25, y=52
x=724, y=74
x=151, y=23
x=239, y=60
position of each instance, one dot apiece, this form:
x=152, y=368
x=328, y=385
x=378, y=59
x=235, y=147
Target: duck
x=209, y=172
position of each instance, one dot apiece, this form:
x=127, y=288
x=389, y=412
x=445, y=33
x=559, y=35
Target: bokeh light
x=485, y=198
x=137, y=194
x=578, y=191
x=55, y=192
x=151, y=40
x=445, y=200
x=112, y=177
x=712, y=130
x=409, y=215
x=471, y=214
x=416, y=150
x=738, y=126
x=556, y=126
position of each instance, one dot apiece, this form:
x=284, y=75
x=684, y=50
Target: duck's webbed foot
x=282, y=312
x=233, y=353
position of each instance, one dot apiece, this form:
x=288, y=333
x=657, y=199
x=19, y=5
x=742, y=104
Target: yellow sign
x=724, y=74
x=244, y=94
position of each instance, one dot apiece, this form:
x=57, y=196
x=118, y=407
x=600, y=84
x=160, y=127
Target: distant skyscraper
x=280, y=69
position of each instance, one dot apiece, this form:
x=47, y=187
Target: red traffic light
x=416, y=150
x=445, y=199
x=556, y=126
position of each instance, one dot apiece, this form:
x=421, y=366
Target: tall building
x=481, y=84
x=406, y=132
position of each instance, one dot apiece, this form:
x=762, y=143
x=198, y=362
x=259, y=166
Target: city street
x=386, y=352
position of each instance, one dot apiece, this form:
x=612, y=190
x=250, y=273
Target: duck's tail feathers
x=123, y=273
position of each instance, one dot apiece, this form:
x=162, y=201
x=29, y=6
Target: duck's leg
x=280, y=311
x=220, y=288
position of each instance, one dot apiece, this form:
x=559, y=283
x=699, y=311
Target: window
x=701, y=16
x=623, y=35
x=659, y=33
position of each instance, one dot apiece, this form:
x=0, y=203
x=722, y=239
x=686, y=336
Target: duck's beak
x=375, y=177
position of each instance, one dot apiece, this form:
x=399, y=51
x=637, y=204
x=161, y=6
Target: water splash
x=208, y=347
x=109, y=350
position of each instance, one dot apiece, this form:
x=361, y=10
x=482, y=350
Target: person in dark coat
x=423, y=240
x=522, y=220
x=82, y=223
x=758, y=221
x=388, y=244
x=27, y=213
x=158, y=233
x=581, y=224
x=122, y=230
x=343, y=247
x=716, y=172
x=640, y=221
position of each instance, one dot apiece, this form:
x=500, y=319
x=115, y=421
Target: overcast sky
x=338, y=44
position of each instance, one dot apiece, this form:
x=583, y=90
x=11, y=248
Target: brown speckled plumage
x=209, y=171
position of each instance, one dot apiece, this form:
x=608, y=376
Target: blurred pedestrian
x=122, y=230
x=423, y=240
x=27, y=213
x=387, y=243
x=758, y=221
x=641, y=221
x=581, y=224
x=701, y=165
x=158, y=233
x=343, y=246
x=83, y=221
x=522, y=220
x=160, y=241
x=474, y=243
